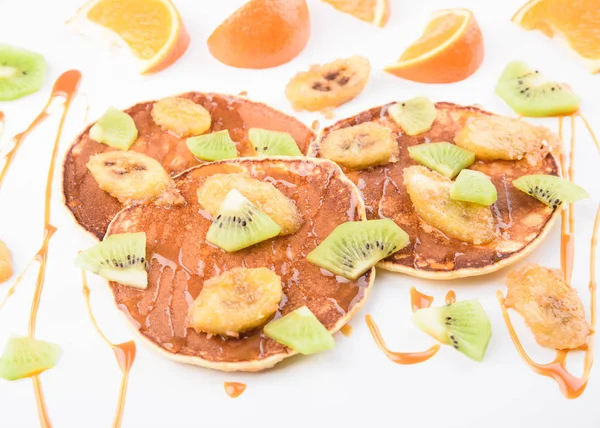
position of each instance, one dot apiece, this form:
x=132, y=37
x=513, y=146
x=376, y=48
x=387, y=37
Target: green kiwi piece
x=240, y=224
x=120, y=258
x=273, y=143
x=530, y=93
x=445, y=158
x=26, y=357
x=212, y=147
x=115, y=129
x=22, y=72
x=414, y=116
x=550, y=189
x=473, y=186
x=464, y=325
x=356, y=246
x=301, y=331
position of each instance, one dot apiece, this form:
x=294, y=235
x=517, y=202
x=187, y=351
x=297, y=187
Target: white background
x=354, y=385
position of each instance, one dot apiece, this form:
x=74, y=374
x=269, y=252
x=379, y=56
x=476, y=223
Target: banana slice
x=133, y=178
x=429, y=192
x=328, y=85
x=265, y=196
x=360, y=146
x=182, y=116
x=235, y=301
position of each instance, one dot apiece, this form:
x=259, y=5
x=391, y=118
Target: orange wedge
x=151, y=29
x=573, y=23
x=375, y=12
x=450, y=50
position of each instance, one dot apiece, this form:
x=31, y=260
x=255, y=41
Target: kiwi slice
x=530, y=93
x=414, y=116
x=240, y=224
x=22, y=72
x=26, y=357
x=212, y=147
x=445, y=158
x=463, y=325
x=273, y=143
x=356, y=246
x=115, y=129
x=120, y=258
x=550, y=189
x=302, y=331
x=473, y=186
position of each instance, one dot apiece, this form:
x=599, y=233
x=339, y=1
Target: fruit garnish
x=473, y=186
x=414, y=116
x=5, y=263
x=182, y=116
x=302, y=331
x=212, y=147
x=131, y=177
x=442, y=157
x=151, y=29
x=262, y=34
x=463, y=325
x=496, y=137
x=328, y=85
x=355, y=247
x=376, y=12
x=429, y=192
x=273, y=143
x=120, y=258
x=450, y=50
x=530, y=93
x=551, y=190
x=573, y=22
x=360, y=146
x=26, y=357
x=240, y=224
x=22, y=72
x=116, y=129
x=265, y=196
x=235, y=301
x=550, y=306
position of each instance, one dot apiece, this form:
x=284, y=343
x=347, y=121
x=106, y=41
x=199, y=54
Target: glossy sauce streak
x=571, y=386
x=567, y=242
x=243, y=94
x=592, y=134
x=316, y=125
x=419, y=300
x=124, y=352
x=346, y=330
x=234, y=389
x=1, y=123
x=450, y=297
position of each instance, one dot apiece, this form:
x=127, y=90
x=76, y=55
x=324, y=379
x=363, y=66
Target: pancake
x=93, y=208
x=521, y=221
x=180, y=261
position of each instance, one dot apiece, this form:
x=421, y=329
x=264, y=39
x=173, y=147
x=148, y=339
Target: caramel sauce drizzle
x=589, y=128
x=419, y=300
x=124, y=352
x=234, y=389
x=450, y=297
x=346, y=330
x=316, y=125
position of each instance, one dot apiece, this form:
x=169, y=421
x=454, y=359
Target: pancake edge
x=269, y=362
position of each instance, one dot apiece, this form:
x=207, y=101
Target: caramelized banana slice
x=235, y=301
x=551, y=308
x=133, y=178
x=265, y=196
x=497, y=137
x=430, y=195
x=182, y=116
x=360, y=146
x=329, y=85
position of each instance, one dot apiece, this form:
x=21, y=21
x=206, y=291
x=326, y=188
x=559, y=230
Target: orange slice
x=375, y=12
x=262, y=34
x=152, y=29
x=450, y=50
x=573, y=23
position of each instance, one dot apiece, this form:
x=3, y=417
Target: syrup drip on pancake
x=450, y=297
x=346, y=330
x=234, y=389
x=124, y=352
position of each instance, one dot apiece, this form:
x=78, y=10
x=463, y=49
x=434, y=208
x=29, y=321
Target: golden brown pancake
x=180, y=261
x=521, y=221
x=93, y=208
